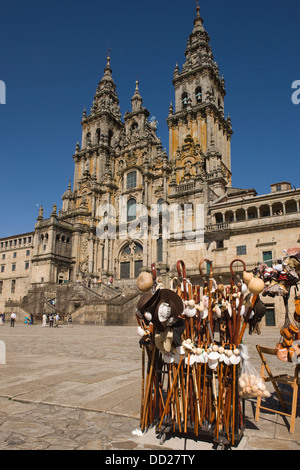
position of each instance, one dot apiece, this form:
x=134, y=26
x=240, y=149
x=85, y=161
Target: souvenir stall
x=196, y=370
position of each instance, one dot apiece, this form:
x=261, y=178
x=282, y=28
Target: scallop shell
x=192, y=359
x=234, y=359
x=140, y=331
x=204, y=357
x=148, y=316
x=200, y=307
x=168, y=358
x=226, y=359
x=214, y=356
x=190, y=312
x=204, y=313
x=243, y=288
x=242, y=383
x=222, y=357
x=212, y=364
x=229, y=309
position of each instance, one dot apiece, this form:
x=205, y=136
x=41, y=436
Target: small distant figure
x=44, y=320
x=56, y=320
x=13, y=319
x=51, y=319
x=69, y=320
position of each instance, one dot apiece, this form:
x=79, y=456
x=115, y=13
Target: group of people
x=13, y=317
x=54, y=320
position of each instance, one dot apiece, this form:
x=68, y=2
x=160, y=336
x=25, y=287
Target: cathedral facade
x=133, y=204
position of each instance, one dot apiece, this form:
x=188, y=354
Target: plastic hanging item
x=250, y=382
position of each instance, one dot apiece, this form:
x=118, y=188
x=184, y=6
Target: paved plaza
x=78, y=387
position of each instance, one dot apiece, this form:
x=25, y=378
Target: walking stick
x=177, y=402
x=233, y=403
x=180, y=264
x=143, y=384
x=237, y=322
x=148, y=385
x=170, y=392
x=210, y=314
x=247, y=316
x=187, y=393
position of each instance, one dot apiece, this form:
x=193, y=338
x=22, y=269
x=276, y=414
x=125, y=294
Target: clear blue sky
x=52, y=57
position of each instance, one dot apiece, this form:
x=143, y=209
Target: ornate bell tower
x=198, y=121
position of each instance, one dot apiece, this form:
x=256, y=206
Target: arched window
x=134, y=126
x=198, y=94
x=131, y=180
x=110, y=135
x=159, y=250
x=131, y=261
x=98, y=136
x=184, y=99
x=131, y=210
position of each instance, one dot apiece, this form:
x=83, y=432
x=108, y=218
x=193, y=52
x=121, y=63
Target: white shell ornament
x=148, y=316
x=140, y=331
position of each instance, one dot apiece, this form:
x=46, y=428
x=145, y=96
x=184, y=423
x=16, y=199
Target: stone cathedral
x=124, y=178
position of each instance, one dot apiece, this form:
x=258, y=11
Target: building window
x=131, y=180
x=220, y=243
x=2, y=269
x=241, y=250
x=131, y=210
x=13, y=267
x=159, y=246
x=198, y=94
x=13, y=286
x=184, y=99
x=3, y=256
x=278, y=187
x=270, y=315
x=267, y=258
x=125, y=270
x=14, y=254
x=1, y=286
x=26, y=265
x=27, y=252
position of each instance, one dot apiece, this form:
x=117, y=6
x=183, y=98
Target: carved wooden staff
x=236, y=327
x=255, y=286
x=181, y=265
x=148, y=388
x=170, y=392
x=210, y=313
x=233, y=403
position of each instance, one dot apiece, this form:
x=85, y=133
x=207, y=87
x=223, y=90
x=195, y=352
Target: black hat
x=153, y=305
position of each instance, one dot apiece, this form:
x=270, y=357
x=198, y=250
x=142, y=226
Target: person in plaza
x=12, y=319
x=56, y=320
x=69, y=320
x=51, y=318
x=44, y=320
